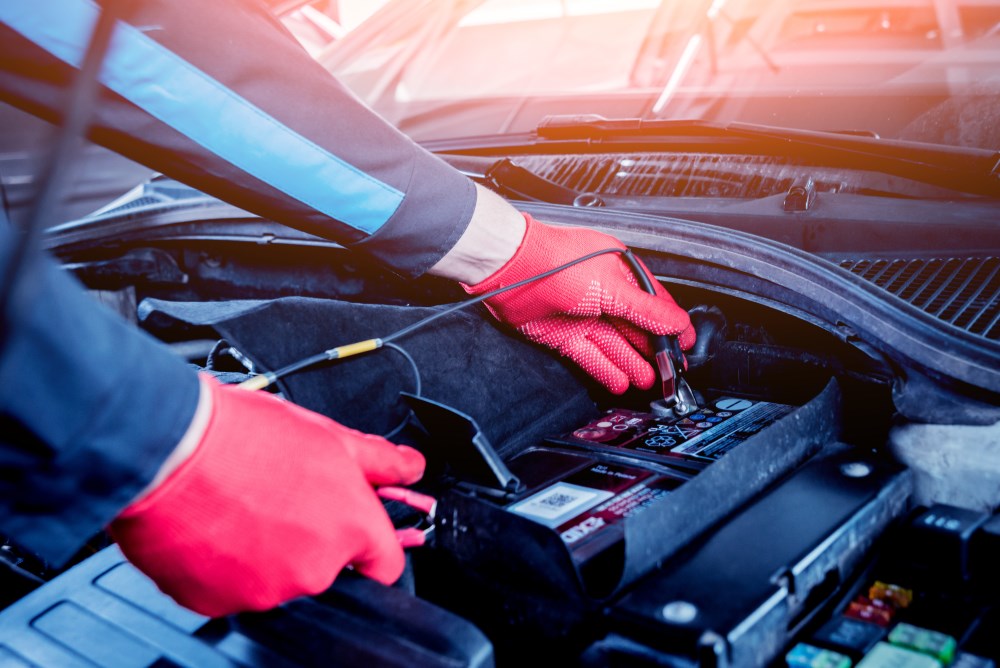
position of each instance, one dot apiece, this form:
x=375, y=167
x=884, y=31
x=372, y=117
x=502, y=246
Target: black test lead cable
x=54, y=170
x=678, y=397
x=665, y=346
x=416, y=391
x=340, y=352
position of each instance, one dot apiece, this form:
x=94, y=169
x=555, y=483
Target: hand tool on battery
x=677, y=393
x=412, y=536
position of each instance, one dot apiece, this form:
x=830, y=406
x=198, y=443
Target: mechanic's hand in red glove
x=271, y=505
x=594, y=313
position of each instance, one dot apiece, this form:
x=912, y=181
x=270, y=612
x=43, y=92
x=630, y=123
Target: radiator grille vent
x=964, y=292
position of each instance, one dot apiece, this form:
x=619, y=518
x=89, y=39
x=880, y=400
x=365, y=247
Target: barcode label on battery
x=558, y=502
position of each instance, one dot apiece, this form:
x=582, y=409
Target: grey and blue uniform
x=218, y=95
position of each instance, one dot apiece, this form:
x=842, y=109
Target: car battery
x=585, y=513
x=622, y=463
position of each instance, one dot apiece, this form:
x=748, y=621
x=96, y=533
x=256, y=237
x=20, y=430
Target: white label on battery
x=752, y=419
x=555, y=504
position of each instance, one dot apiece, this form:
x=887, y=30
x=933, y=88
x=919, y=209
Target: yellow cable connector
x=350, y=349
x=255, y=383
x=340, y=352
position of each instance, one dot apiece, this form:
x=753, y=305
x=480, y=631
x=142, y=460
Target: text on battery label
x=720, y=437
x=588, y=526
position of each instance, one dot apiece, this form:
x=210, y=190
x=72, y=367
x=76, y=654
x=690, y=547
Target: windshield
x=926, y=70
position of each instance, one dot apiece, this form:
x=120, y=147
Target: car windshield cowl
x=968, y=170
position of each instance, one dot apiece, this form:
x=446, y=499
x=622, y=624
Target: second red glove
x=272, y=504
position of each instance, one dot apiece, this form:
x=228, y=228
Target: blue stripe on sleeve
x=183, y=97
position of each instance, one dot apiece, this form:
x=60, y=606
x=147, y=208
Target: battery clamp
x=457, y=441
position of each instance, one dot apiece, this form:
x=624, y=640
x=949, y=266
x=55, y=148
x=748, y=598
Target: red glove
x=593, y=313
x=272, y=504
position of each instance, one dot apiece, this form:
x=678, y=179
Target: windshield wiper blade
x=967, y=170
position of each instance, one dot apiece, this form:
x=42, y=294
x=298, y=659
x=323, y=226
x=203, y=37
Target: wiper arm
x=968, y=170
x=516, y=182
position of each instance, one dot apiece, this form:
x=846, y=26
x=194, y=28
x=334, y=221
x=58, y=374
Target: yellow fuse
x=890, y=593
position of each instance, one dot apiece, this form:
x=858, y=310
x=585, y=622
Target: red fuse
x=867, y=610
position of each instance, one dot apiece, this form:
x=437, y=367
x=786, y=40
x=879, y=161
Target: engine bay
x=559, y=507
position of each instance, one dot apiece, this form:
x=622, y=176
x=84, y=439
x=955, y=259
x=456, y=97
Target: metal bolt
x=679, y=612
x=588, y=200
